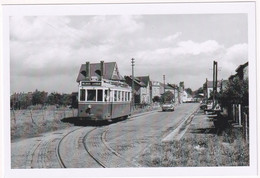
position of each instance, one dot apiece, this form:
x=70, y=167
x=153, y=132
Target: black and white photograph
x=152, y=89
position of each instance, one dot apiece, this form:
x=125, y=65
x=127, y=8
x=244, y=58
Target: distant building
x=186, y=97
x=142, y=89
x=175, y=90
x=208, y=87
x=170, y=88
x=155, y=89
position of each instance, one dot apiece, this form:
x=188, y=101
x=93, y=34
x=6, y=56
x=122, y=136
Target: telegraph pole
x=163, y=83
x=215, y=80
x=163, y=88
x=133, y=83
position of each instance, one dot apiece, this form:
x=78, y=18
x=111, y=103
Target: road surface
x=118, y=144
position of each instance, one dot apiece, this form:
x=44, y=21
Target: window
x=100, y=95
x=129, y=96
x=115, y=95
x=107, y=95
x=91, y=95
x=123, y=96
x=82, y=94
x=119, y=95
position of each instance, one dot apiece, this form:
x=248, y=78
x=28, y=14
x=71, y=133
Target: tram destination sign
x=90, y=83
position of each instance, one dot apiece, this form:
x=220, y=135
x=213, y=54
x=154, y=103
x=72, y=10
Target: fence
x=240, y=118
x=27, y=123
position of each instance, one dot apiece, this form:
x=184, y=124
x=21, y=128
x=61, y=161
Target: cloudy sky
x=46, y=52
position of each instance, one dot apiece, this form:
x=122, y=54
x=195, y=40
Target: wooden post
x=246, y=128
x=239, y=115
x=234, y=113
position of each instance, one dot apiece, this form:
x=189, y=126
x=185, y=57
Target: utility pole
x=163, y=83
x=133, y=83
x=215, y=81
x=163, y=88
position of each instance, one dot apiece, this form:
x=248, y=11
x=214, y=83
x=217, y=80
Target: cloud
x=233, y=57
x=193, y=48
x=183, y=48
x=173, y=37
x=43, y=47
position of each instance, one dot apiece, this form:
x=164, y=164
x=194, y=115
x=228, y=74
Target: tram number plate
x=91, y=83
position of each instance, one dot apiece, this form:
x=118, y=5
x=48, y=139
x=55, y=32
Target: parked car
x=203, y=106
x=168, y=106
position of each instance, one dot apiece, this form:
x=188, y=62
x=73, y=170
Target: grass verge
x=199, y=150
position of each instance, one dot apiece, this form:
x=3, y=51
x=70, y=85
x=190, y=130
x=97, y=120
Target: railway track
x=78, y=148
x=101, y=152
x=44, y=153
x=60, y=160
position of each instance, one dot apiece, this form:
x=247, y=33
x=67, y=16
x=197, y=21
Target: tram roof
x=110, y=71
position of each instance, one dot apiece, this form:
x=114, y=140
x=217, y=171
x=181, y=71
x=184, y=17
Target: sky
x=46, y=52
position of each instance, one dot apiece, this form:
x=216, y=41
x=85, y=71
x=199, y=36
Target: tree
x=189, y=91
x=66, y=99
x=236, y=92
x=167, y=96
x=54, y=99
x=198, y=91
x=156, y=99
x=39, y=97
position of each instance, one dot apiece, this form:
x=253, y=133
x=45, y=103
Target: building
x=242, y=71
x=208, y=87
x=169, y=87
x=155, y=89
x=186, y=98
x=175, y=90
x=110, y=71
x=142, y=88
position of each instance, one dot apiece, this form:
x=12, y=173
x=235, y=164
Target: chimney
x=101, y=70
x=87, y=70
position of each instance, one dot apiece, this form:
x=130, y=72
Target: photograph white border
x=112, y=9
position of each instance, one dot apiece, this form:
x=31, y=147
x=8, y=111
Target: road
x=115, y=145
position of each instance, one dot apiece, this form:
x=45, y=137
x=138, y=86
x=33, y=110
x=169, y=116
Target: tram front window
x=91, y=95
x=82, y=94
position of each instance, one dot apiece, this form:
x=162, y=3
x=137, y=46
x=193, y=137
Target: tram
x=103, y=99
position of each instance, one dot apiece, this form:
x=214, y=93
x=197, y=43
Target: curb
x=178, y=132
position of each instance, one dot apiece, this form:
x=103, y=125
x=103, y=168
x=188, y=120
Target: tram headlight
x=89, y=106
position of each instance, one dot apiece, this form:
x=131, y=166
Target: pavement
x=194, y=124
x=201, y=124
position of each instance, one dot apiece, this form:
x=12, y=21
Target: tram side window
x=119, y=96
x=126, y=99
x=91, y=95
x=106, y=95
x=100, y=95
x=123, y=96
x=115, y=95
x=82, y=94
x=128, y=96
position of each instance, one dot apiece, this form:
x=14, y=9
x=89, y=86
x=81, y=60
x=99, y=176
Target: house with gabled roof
x=142, y=91
x=110, y=71
x=208, y=87
x=186, y=97
x=155, y=89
